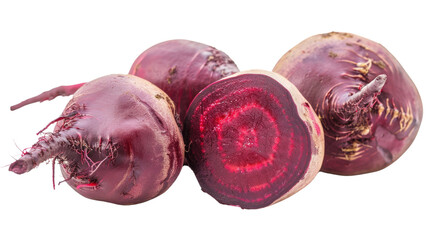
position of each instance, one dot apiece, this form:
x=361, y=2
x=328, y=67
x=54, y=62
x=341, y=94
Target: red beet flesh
x=182, y=68
x=369, y=107
x=116, y=141
x=253, y=139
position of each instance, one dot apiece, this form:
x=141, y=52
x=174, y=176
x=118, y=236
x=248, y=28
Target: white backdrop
x=48, y=43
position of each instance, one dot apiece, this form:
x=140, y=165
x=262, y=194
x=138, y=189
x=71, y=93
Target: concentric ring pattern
x=247, y=144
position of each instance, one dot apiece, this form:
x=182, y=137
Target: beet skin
x=253, y=139
x=370, y=109
x=182, y=68
x=116, y=141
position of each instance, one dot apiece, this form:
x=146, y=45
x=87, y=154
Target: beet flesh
x=369, y=107
x=117, y=141
x=253, y=139
x=182, y=68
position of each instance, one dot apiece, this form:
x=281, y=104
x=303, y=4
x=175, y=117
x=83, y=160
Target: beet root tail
x=19, y=167
x=49, y=95
x=47, y=147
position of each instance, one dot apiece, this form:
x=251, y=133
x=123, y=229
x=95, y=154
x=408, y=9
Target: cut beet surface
x=253, y=139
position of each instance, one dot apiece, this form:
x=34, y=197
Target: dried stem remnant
x=367, y=95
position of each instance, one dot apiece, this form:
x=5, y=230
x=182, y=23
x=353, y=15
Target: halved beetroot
x=253, y=139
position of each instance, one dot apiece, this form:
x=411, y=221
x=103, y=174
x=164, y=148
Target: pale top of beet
x=253, y=139
x=369, y=107
x=182, y=68
x=116, y=141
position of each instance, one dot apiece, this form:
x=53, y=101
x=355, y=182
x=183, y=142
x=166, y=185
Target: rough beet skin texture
x=370, y=109
x=182, y=68
x=116, y=141
x=253, y=139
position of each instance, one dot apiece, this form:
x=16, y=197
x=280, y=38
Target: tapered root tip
x=14, y=107
x=49, y=95
x=19, y=167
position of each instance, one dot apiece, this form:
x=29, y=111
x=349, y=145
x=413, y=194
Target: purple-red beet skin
x=253, y=139
x=369, y=107
x=116, y=141
x=182, y=68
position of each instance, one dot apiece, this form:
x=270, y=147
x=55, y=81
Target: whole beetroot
x=253, y=139
x=369, y=107
x=116, y=141
x=182, y=68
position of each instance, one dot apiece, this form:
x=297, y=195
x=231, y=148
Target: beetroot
x=116, y=141
x=368, y=105
x=182, y=68
x=253, y=139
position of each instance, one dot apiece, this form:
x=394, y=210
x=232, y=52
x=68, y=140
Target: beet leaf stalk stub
x=370, y=108
x=367, y=94
x=254, y=140
x=361, y=101
x=116, y=141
